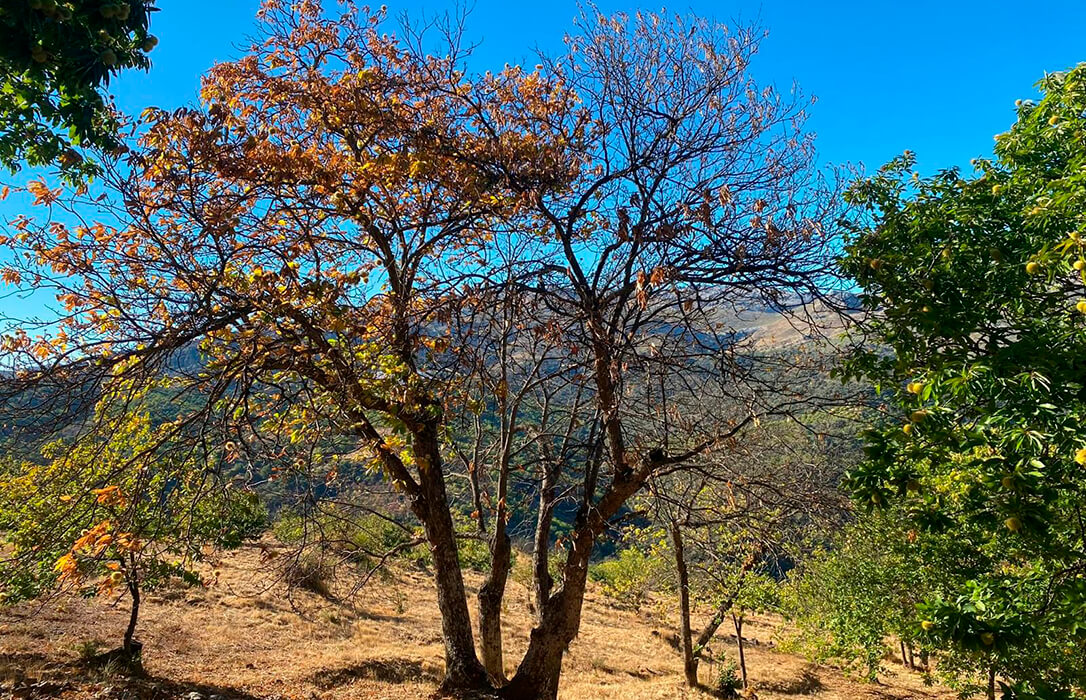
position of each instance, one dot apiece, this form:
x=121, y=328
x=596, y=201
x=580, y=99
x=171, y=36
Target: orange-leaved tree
x=307, y=232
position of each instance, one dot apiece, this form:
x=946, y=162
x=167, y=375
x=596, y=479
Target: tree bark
x=462, y=667
x=538, y=673
x=491, y=594
x=904, y=656
x=912, y=661
x=991, y=682
x=541, y=551
x=738, y=622
x=133, y=617
x=690, y=661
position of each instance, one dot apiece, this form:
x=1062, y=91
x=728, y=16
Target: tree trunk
x=133, y=617
x=738, y=622
x=462, y=667
x=991, y=682
x=904, y=656
x=541, y=552
x=723, y=608
x=491, y=594
x=690, y=661
x=539, y=671
x=912, y=662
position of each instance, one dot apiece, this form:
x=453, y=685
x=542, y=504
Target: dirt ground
x=244, y=638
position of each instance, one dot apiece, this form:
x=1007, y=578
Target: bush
x=357, y=538
x=474, y=554
x=727, y=683
x=309, y=571
x=629, y=577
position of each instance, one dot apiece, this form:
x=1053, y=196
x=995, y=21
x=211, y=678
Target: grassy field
x=245, y=637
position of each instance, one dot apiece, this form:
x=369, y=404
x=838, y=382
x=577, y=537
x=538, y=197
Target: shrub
x=311, y=572
x=630, y=576
x=358, y=538
x=727, y=683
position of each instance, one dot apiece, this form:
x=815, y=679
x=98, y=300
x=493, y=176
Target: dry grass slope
x=244, y=638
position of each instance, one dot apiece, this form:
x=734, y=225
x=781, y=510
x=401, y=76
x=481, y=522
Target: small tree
x=732, y=524
x=115, y=515
x=758, y=594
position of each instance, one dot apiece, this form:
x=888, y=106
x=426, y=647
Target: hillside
x=243, y=637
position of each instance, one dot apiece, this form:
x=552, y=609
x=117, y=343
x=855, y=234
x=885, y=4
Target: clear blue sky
x=939, y=78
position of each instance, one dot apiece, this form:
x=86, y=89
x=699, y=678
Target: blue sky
x=939, y=78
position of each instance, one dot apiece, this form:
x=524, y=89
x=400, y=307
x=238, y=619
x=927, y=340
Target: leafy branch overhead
x=56, y=61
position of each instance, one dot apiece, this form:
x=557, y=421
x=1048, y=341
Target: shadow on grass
x=808, y=683
x=381, y=670
x=30, y=675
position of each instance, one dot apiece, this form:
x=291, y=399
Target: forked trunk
x=690, y=661
x=491, y=594
x=539, y=671
x=560, y=616
x=462, y=667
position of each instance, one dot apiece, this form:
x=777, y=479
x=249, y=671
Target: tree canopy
x=372, y=249
x=977, y=282
x=56, y=59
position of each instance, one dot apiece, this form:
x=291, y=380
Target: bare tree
x=696, y=198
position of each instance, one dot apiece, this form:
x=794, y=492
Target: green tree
x=977, y=286
x=55, y=60
x=849, y=597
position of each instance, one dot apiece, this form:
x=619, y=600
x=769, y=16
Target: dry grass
x=242, y=637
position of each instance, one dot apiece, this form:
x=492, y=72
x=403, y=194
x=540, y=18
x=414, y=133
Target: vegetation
x=116, y=514
x=978, y=282
x=636, y=571
x=56, y=58
x=497, y=327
